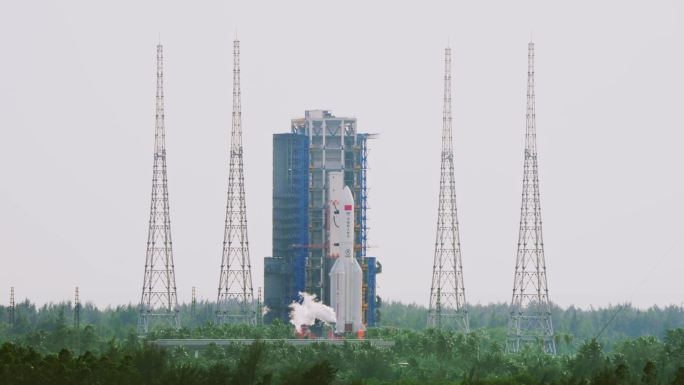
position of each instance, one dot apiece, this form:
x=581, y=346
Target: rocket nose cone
x=348, y=196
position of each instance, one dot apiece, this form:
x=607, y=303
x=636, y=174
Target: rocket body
x=346, y=276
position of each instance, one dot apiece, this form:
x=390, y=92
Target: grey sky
x=77, y=114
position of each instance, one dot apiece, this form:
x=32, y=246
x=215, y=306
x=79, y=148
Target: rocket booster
x=346, y=276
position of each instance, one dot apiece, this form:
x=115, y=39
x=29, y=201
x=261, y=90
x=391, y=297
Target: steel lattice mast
x=193, y=304
x=448, y=307
x=159, y=299
x=77, y=309
x=12, y=307
x=235, y=302
x=530, y=311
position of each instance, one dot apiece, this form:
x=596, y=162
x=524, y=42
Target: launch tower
x=77, y=309
x=447, y=293
x=235, y=302
x=159, y=299
x=317, y=144
x=530, y=311
x=12, y=308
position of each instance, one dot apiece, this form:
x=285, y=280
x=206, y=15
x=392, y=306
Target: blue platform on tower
x=284, y=273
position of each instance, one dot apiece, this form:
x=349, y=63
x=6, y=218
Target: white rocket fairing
x=346, y=277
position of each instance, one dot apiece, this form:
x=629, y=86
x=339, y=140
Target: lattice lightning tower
x=260, y=307
x=159, y=299
x=193, y=304
x=448, y=307
x=530, y=311
x=235, y=303
x=12, y=307
x=77, y=309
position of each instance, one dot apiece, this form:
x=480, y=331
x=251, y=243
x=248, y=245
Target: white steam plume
x=309, y=311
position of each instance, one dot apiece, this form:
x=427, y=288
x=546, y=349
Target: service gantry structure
x=317, y=144
x=448, y=308
x=530, y=311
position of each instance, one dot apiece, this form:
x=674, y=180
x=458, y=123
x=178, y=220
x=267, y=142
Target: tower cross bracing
x=530, y=311
x=448, y=307
x=235, y=301
x=159, y=299
x=77, y=309
x=12, y=308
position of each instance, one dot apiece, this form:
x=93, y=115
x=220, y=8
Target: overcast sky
x=77, y=83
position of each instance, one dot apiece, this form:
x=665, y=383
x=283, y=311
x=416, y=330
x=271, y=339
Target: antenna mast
x=530, y=311
x=448, y=307
x=235, y=302
x=193, y=305
x=77, y=309
x=159, y=299
x=12, y=307
x=260, y=308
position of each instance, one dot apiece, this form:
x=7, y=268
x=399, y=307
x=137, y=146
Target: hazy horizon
x=77, y=84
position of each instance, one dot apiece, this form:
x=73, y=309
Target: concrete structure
x=317, y=144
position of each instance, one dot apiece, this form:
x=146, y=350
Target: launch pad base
x=198, y=343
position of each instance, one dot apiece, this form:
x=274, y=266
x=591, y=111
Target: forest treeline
x=418, y=357
x=617, y=322
x=44, y=346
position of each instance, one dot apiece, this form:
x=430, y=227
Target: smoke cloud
x=309, y=311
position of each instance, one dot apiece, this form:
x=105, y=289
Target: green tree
x=679, y=378
x=650, y=376
x=588, y=361
x=249, y=365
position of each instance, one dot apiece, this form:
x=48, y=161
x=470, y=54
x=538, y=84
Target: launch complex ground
x=204, y=343
x=320, y=233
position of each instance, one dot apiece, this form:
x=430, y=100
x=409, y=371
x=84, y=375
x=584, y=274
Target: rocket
x=346, y=276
